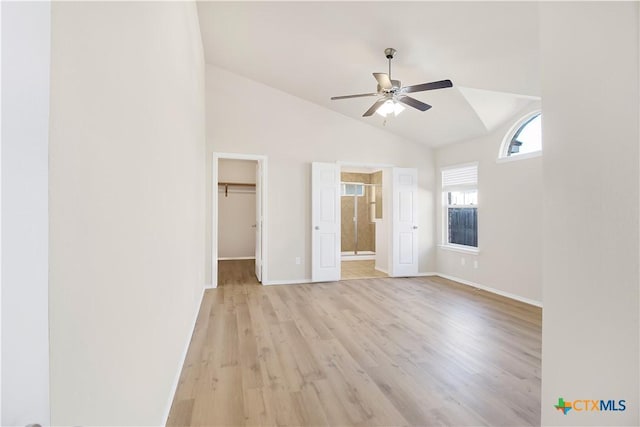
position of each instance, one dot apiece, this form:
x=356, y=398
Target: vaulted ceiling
x=315, y=50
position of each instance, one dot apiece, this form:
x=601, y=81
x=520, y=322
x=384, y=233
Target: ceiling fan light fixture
x=397, y=108
x=391, y=93
x=390, y=106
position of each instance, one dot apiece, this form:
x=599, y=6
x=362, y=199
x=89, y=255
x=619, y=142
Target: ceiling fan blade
x=383, y=80
x=412, y=102
x=374, y=107
x=427, y=86
x=333, y=98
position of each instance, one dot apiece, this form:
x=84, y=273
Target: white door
x=258, y=226
x=405, y=222
x=325, y=220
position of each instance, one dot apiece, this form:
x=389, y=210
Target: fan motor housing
x=395, y=84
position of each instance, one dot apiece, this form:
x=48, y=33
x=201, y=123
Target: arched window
x=524, y=139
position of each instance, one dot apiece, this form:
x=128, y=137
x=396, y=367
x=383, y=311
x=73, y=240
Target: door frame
x=262, y=161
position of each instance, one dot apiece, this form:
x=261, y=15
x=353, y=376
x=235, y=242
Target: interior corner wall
x=127, y=209
x=509, y=218
x=26, y=42
x=292, y=133
x=591, y=193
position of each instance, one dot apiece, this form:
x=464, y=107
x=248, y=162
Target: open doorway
x=238, y=219
x=362, y=228
x=396, y=234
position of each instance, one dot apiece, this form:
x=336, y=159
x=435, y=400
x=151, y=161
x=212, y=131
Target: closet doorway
x=362, y=228
x=238, y=219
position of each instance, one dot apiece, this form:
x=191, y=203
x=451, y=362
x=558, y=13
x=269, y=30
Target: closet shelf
x=234, y=184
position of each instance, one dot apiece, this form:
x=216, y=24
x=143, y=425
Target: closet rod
x=235, y=184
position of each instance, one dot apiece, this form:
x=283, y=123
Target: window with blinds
x=460, y=202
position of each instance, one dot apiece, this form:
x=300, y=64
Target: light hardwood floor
x=373, y=352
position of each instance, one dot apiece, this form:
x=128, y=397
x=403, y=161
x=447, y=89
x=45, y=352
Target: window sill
x=459, y=248
x=516, y=157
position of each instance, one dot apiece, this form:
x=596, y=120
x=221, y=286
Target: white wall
x=257, y=119
x=233, y=170
x=509, y=218
x=590, y=263
x=126, y=207
x=25, y=133
x=236, y=210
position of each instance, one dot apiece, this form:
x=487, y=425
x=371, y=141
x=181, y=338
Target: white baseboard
x=232, y=258
x=492, y=290
x=210, y=286
x=285, y=282
x=183, y=358
x=423, y=274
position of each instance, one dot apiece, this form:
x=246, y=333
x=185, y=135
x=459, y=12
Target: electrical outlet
x=298, y=260
x=463, y=261
x=475, y=264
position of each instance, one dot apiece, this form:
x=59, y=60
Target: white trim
x=239, y=156
x=176, y=379
x=286, y=282
x=262, y=159
x=460, y=248
x=429, y=274
x=502, y=154
x=515, y=157
x=492, y=290
x=231, y=258
x=208, y=286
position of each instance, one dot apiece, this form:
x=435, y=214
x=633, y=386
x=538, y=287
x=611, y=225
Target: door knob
x=316, y=228
x=415, y=227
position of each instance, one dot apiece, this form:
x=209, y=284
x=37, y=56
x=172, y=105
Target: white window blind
x=460, y=178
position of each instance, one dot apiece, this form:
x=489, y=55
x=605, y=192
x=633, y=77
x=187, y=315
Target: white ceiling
x=315, y=50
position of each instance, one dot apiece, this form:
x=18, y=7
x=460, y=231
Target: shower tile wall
x=376, y=178
x=366, y=228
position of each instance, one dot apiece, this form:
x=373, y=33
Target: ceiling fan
x=393, y=94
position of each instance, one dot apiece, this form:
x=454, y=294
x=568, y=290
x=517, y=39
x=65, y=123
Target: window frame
x=446, y=206
x=503, y=154
x=358, y=187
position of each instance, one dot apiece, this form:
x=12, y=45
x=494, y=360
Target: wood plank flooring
x=372, y=352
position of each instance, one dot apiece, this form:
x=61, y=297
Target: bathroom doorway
x=362, y=222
